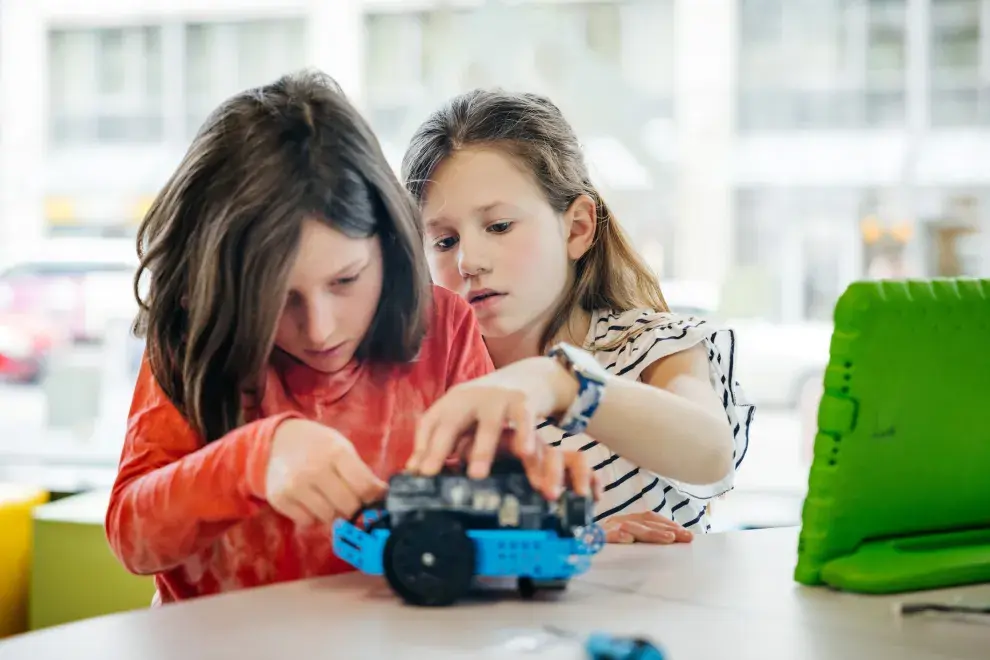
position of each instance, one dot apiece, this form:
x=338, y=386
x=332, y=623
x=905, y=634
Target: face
x=492, y=237
x=334, y=288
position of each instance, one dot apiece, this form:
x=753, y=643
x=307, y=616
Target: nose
x=472, y=257
x=319, y=323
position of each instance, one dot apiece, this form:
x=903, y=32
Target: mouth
x=481, y=295
x=326, y=352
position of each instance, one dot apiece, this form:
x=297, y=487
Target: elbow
x=717, y=460
x=126, y=543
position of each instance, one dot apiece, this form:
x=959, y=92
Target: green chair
x=75, y=575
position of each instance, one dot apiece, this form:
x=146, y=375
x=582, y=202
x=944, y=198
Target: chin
x=497, y=328
x=328, y=365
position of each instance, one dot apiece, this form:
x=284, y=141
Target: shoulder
x=450, y=319
x=447, y=314
x=631, y=340
x=453, y=350
x=449, y=308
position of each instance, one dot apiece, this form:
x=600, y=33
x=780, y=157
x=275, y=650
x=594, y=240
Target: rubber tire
x=443, y=537
x=528, y=587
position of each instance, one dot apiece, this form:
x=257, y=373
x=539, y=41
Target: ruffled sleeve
x=664, y=334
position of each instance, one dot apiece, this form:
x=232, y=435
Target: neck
x=525, y=343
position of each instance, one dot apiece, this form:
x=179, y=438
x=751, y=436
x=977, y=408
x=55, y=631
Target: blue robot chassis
x=433, y=535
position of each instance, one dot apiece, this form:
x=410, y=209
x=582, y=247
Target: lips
x=326, y=352
x=481, y=295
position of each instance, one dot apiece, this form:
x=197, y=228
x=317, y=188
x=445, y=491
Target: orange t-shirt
x=194, y=515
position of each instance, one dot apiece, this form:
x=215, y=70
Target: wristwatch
x=591, y=378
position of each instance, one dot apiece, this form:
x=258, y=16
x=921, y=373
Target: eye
x=500, y=227
x=445, y=243
x=345, y=281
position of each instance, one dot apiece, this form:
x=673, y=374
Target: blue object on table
x=602, y=646
x=433, y=535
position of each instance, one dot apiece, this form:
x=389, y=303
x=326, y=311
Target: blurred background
x=764, y=154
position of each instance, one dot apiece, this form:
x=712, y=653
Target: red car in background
x=25, y=344
x=60, y=290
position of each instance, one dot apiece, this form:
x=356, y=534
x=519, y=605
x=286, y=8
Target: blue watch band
x=591, y=378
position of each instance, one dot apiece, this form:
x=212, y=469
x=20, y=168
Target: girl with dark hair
x=293, y=342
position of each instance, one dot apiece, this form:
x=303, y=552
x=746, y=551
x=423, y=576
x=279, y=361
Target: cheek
x=443, y=268
x=285, y=331
x=359, y=307
x=534, y=257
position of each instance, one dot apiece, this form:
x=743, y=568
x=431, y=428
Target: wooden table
x=725, y=596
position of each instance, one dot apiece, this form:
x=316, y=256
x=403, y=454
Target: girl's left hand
x=646, y=527
x=495, y=412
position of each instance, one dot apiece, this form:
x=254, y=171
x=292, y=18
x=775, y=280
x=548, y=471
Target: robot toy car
x=434, y=535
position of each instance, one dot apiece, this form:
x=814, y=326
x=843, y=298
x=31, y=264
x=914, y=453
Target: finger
x=681, y=535
x=523, y=424
x=646, y=533
x=653, y=518
x=295, y=512
x=597, y=485
x=346, y=503
x=442, y=439
x=579, y=473
x=360, y=480
x=424, y=431
x=552, y=483
x=615, y=534
x=462, y=447
x=487, y=435
x=317, y=502
x=533, y=462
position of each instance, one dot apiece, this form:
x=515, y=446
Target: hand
x=549, y=469
x=646, y=527
x=497, y=411
x=315, y=475
x=579, y=476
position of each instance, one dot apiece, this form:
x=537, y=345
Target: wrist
x=259, y=453
x=587, y=381
x=563, y=386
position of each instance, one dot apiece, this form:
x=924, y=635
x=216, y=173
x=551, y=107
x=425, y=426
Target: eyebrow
x=440, y=220
x=357, y=263
x=360, y=262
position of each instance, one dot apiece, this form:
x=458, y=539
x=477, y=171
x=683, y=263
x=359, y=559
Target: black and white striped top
x=628, y=489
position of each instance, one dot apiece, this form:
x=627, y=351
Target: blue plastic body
x=601, y=646
x=537, y=554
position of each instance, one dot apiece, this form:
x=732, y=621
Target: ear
x=580, y=223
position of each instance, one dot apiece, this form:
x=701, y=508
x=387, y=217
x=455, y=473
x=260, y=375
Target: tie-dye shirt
x=195, y=517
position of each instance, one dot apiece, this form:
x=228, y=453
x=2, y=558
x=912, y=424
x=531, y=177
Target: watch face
x=584, y=362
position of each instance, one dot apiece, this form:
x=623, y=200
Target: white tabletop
x=725, y=596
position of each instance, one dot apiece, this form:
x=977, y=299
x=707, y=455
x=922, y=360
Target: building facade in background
x=777, y=149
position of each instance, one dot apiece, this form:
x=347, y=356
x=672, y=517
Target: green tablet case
x=899, y=488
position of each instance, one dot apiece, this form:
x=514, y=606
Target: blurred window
x=105, y=85
x=821, y=64
x=225, y=58
x=960, y=62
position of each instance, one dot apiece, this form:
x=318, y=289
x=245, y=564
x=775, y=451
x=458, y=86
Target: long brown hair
x=530, y=128
x=220, y=239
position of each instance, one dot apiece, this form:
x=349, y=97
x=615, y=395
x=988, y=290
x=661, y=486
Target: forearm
x=661, y=430
x=161, y=515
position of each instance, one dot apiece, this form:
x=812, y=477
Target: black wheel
x=528, y=586
x=429, y=560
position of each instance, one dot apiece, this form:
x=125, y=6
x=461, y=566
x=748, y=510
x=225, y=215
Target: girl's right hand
x=315, y=475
